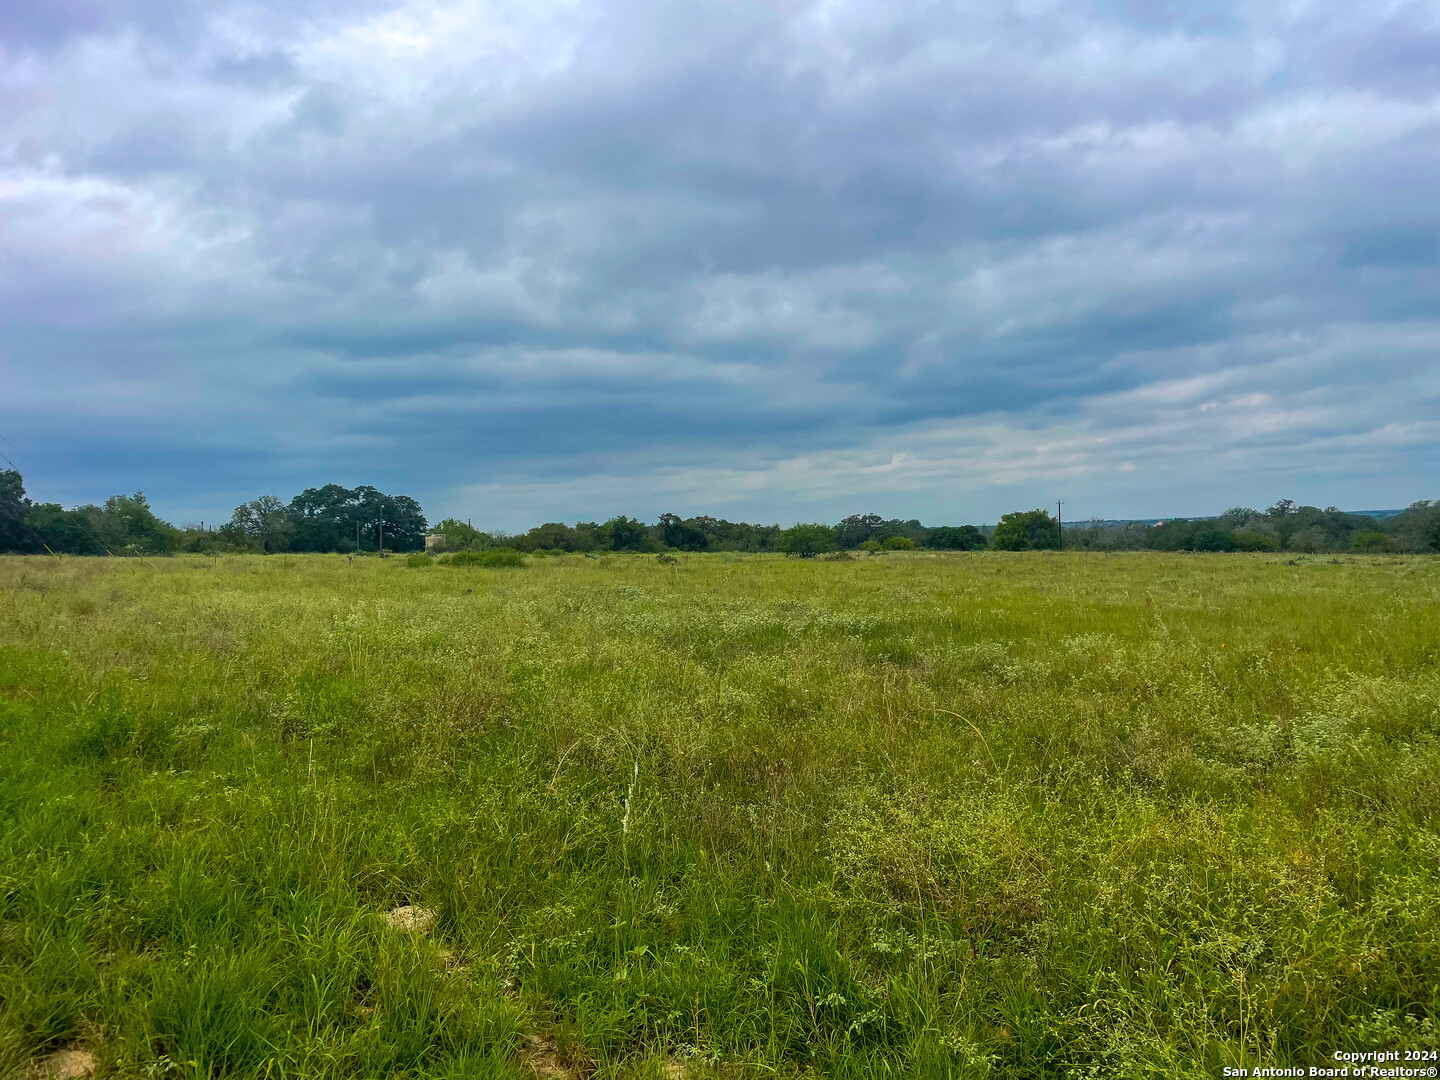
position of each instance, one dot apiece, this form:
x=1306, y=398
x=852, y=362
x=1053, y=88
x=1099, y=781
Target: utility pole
x=381, y=549
x=1059, y=525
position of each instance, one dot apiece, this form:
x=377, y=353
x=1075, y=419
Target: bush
x=899, y=543
x=1214, y=538
x=949, y=538
x=462, y=536
x=807, y=541
x=492, y=557
x=419, y=559
x=1309, y=541
x=1249, y=540
x=872, y=546
x=1370, y=540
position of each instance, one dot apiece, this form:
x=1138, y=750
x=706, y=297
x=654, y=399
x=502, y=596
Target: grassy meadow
x=969, y=815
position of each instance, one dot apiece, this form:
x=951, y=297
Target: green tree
x=1284, y=518
x=63, y=531
x=326, y=519
x=402, y=520
x=685, y=535
x=589, y=536
x=265, y=523
x=1308, y=528
x=127, y=525
x=1181, y=534
x=552, y=536
x=1237, y=516
x=462, y=536
x=854, y=530
x=722, y=535
x=949, y=538
x=1371, y=541
x=1283, y=508
x=1027, y=530
x=1213, y=537
x=626, y=534
x=899, y=543
x=335, y=518
x=15, y=535
x=1252, y=538
x=805, y=541
x=1418, y=527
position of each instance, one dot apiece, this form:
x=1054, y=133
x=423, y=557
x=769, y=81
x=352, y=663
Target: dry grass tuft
x=417, y=920
x=70, y=1064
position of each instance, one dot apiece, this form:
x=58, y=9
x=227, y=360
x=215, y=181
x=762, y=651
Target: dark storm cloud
x=518, y=258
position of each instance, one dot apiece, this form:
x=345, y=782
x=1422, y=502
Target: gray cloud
x=758, y=258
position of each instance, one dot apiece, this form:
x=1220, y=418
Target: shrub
x=899, y=543
x=1309, y=541
x=872, y=546
x=1370, y=540
x=419, y=559
x=949, y=538
x=1212, y=539
x=492, y=557
x=1250, y=540
x=807, y=540
x=462, y=536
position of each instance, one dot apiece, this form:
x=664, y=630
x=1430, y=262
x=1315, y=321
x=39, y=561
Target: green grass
x=922, y=815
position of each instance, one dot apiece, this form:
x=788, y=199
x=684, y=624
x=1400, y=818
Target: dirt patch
x=417, y=920
x=543, y=1058
x=71, y=1064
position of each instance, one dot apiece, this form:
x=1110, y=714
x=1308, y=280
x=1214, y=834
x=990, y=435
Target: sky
x=777, y=261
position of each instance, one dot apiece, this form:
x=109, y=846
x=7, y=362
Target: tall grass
x=929, y=815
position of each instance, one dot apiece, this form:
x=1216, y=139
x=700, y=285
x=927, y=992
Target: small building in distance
x=434, y=541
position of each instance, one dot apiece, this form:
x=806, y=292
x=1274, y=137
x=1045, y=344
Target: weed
x=489, y=557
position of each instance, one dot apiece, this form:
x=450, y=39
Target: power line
x=12, y=447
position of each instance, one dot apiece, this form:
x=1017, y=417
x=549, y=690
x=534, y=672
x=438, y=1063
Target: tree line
x=334, y=518
x=329, y=518
x=674, y=533
x=1284, y=526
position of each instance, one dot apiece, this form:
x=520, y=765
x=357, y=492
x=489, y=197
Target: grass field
x=920, y=815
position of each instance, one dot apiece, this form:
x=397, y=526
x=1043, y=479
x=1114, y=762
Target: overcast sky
x=773, y=261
